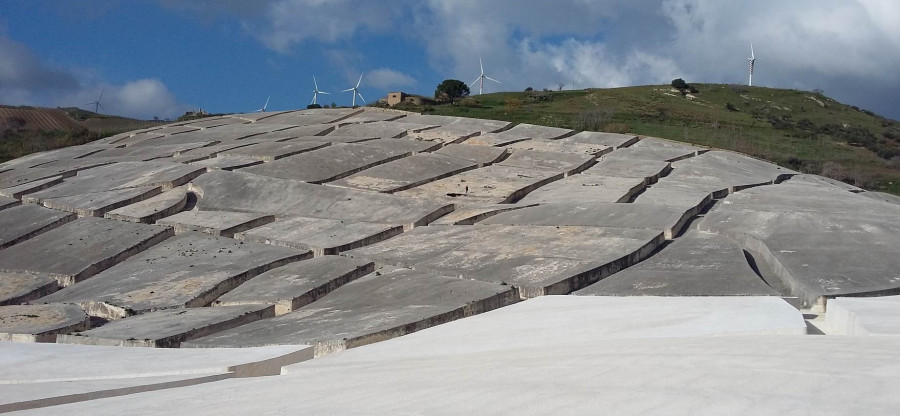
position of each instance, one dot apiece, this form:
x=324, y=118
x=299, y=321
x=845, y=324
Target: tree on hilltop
x=451, y=89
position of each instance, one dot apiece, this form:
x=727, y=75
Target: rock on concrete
x=152, y=209
x=40, y=323
x=81, y=248
x=586, y=188
x=489, y=185
x=22, y=222
x=297, y=284
x=328, y=164
x=321, y=236
x=16, y=288
x=188, y=270
x=243, y=192
x=374, y=308
x=696, y=264
x=406, y=173
x=221, y=223
x=169, y=328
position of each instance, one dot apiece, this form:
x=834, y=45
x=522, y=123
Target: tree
x=679, y=84
x=451, y=89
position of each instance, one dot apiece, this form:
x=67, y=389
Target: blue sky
x=163, y=57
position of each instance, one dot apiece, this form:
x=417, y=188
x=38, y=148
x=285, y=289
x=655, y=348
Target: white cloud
x=388, y=79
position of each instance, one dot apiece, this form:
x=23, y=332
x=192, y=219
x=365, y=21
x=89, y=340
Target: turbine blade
x=481, y=64
x=361, y=97
x=314, y=83
x=476, y=81
x=751, y=52
x=360, y=80
x=323, y=92
x=492, y=79
x=101, y=95
x=348, y=89
x=101, y=106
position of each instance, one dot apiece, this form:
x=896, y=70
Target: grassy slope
x=788, y=127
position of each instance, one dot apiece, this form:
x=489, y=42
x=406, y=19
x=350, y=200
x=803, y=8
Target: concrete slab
x=371, y=116
x=495, y=139
x=17, y=288
x=383, y=129
x=482, y=155
x=471, y=214
x=586, y=189
x=169, y=328
x=721, y=172
x=24, y=176
x=660, y=150
x=81, y=248
x=488, y=185
x=864, y=316
x=680, y=194
x=6, y=202
x=97, y=204
x=271, y=151
x=562, y=147
x=537, y=260
x=297, y=284
x=822, y=181
x=454, y=129
x=570, y=163
x=231, y=132
x=649, y=170
x=207, y=152
x=406, y=145
x=406, y=173
x=881, y=196
x=221, y=223
x=305, y=118
x=212, y=122
x=152, y=209
x=149, y=152
x=321, y=236
x=119, y=176
x=404, y=301
x=40, y=323
x=539, y=132
x=241, y=192
x=41, y=158
x=300, y=131
x=696, y=264
x=328, y=164
x=227, y=162
x=22, y=222
x=188, y=270
x=17, y=192
x=603, y=139
x=662, y=218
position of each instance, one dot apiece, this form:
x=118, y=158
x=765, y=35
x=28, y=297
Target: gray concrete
x=648, y=170
x=586, y=189
x=302, y=131
x=42, y=158
x=321, y=236
x=207, y=152
x=471, y=214
x=821, y=181
x=495, y=139
x=879, y=316
x=227, y=162
x=482, y=155
x=537, y=260
x=570, y=163
x=152, y=209
x=374, y=308
x=297, y=284
x=20, y=287
x=241, y=192
x=169, y=328
x=188, y=270
x=659, y=149
x=148, y=153
x=328, y=164
x=18, y=191
x=489, y=185
x=539, y=132
x=666, y=219
x=369, y=116
x=6, y=202
x=406, y=144
x=80, y=249
x=271, y=151
x=453, y=129
x=721, y=172
x=561, y=147
x=118, y=176
x=221, y=223
x=680, y=194
x=22, y=222
x=304, y=118
x=40, y=323
x=603, y=139
x=881, y=196
x=225, y=133
x=97, y=204
x=24, y=176
x=406, y=173
x=381, y=129
x=696, y=264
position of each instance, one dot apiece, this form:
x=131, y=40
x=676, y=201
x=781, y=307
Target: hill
x=806, y=131
x=25, y=130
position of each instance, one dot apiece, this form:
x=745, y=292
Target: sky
x=160, y=58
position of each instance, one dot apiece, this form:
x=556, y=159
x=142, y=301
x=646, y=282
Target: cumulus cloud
x=384, y=78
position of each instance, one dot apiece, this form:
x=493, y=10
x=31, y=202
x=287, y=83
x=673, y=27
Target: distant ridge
x=24, y=118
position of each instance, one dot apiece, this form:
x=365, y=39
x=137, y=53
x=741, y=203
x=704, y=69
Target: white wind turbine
x=316, y=91
x=752, y=60
x=96, y=104
x=481, y=78
x=356, y=91
x=263, y=109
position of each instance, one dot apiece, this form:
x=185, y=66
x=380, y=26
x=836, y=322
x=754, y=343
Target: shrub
x=470, y=102
x=620, y=128
x=593, y=120
x=512, y=105
x=730, y=107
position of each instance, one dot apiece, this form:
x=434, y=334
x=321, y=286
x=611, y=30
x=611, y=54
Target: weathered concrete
x=221, y=223
x=297, y=284
x=453, y=129
x=881, y=196
x=97, y=204
x=406, y=173
x=18, y=191
x=188, y=270
x=6, y=202
x=538, y=260
x=678, y=193
x=22, y=222
x=227, y=162
x=16, y=288
x=305, y=118
x=241, y=192
x=696, y=264
x=721, y=172
x=613, y=140
x=24, y=176
x=406, y=145
x=539, y=132
x=207, y=152
x=372, y=116
x=149, y=152
x=80, y=249
x=495, y=139
x=586, y=189
x=660, y=150
x=321, y=236
x=41, y=158
x=271, y=151
x=225, y=133
x=169, y=328
x=40, y=323
x=210, y=122
x=381, y=129
x=822, y=181
x=570, y=163
x=482, y=155
x=864, y=316
x=302, y=131
x=648, y=170
x=119, y=176
x=662, y=218
x=488, y=185
x=562, y=147
x=374, y=308
x=471, y=214
x=328, y=164
x=152, y=209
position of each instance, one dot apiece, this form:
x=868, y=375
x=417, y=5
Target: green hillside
x=805, y=131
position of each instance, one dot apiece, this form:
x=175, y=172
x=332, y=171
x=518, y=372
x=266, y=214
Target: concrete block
x=120, y=176
x=381, y=129
x=221, y=223
x=40, y=323
x=227, y=162
x=539, y=132
x=613, y=140
x=864, y=316
x=8, y=202
x=97, y=204
x=16, y=288
x=495, y=139
x=570, y=163
x=560, y=146
x=471, y=214
x=406, y=173
x=321, y=236
x=149, y=152
x=152, y=209
x=18, y=191
x=23, y=176
x=660, y=150
x=207, y=152
x=586, y=188
x=489, y=185
x=328, y=164
x=271, y=151
x=23, y=222
x=613, y=166
x=482, y=155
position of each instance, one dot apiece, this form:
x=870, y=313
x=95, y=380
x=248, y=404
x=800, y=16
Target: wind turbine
x=97, y=104
x=356, y=91
x=316, y=91
x=752, y=60
x=481, y=78
x=263, y=109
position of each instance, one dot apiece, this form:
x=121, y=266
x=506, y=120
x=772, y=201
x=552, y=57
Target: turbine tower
x=263, y=109
x=481, y=78
x=752, y=60
x=96, y=104
x=316, y=91
x=356, y=91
